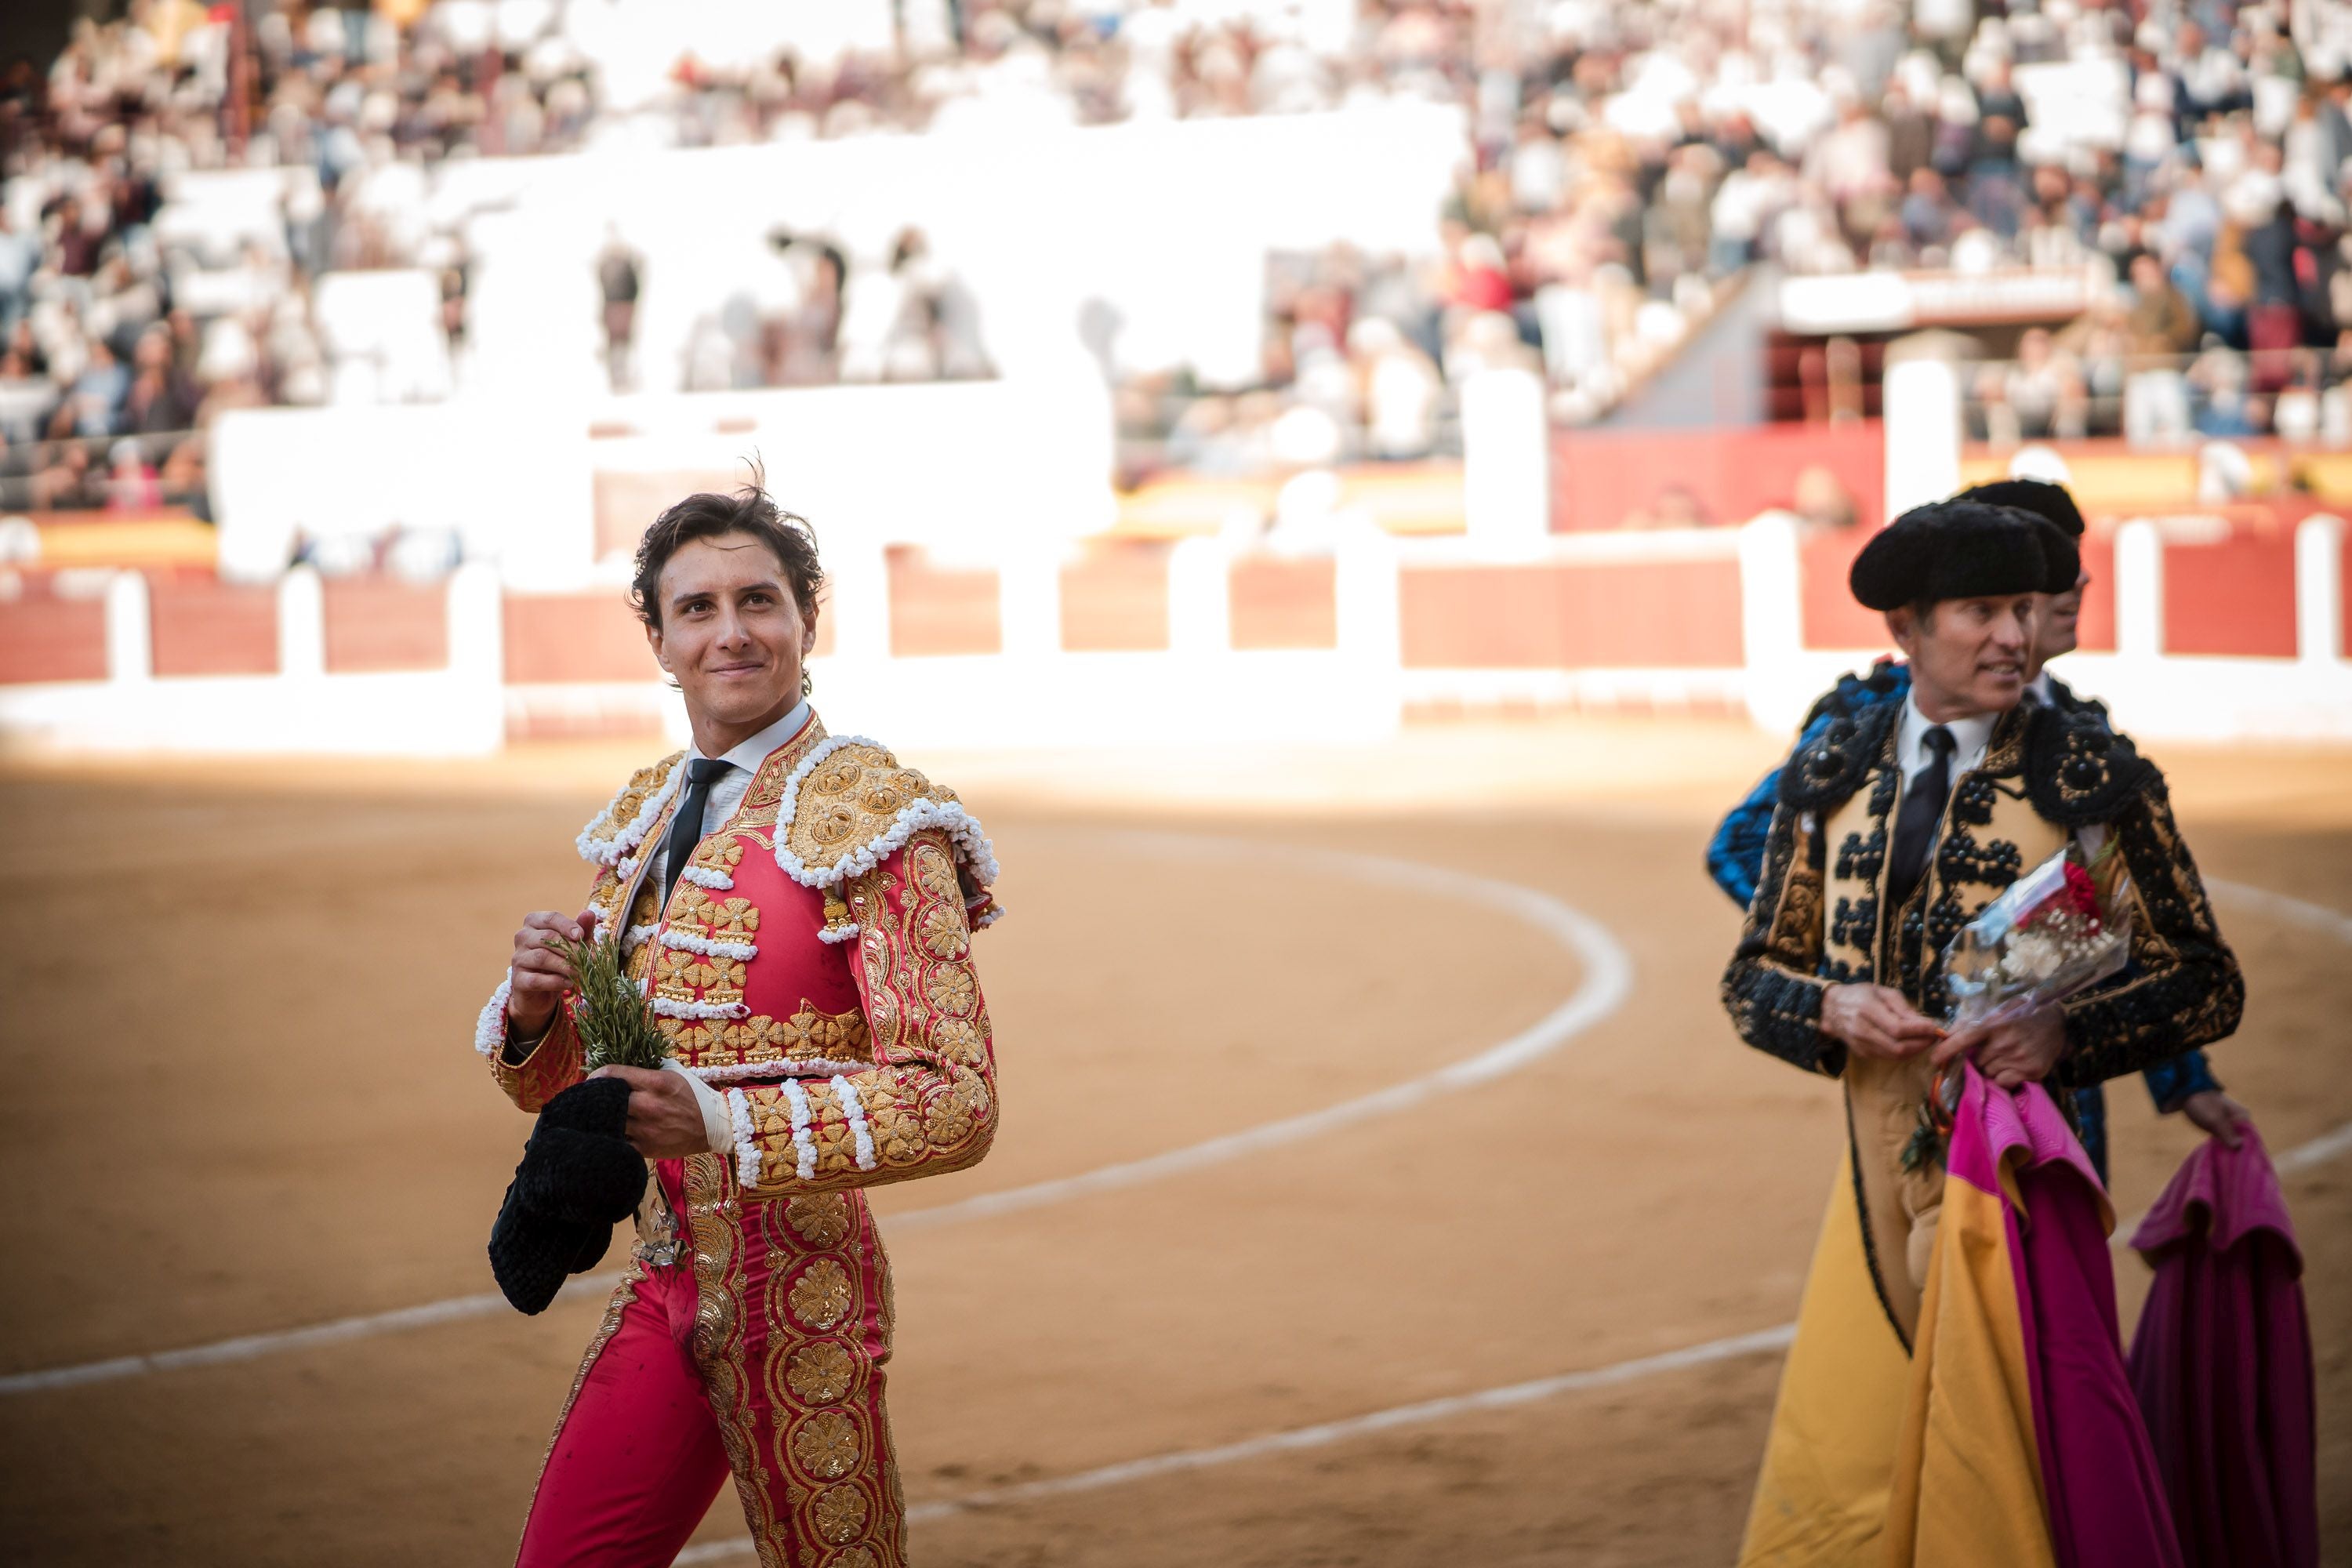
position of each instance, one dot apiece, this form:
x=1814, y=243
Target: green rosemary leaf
x=614, y=1026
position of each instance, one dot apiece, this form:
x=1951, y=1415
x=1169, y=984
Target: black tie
x=685, y=827
x=1914, y=824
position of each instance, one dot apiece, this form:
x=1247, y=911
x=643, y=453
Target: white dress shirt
x=728, y=790
x=1969, y=737
x=727, y=793
x=2037, y=691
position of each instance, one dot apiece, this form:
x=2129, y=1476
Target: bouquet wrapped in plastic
x=2061, y=927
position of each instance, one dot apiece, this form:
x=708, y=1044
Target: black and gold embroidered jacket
x=2047, y=773
x=1818, y=920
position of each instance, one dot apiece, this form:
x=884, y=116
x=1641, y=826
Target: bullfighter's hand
x=2218, y=1114
x=2014, y=1052
x=1875, y=1021
x=540, y=974
x=665, y=1118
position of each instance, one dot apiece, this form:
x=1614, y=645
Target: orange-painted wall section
x=1829, y=617
x=45, y=638
x=1629, y=615
x=213, y=629
x=1602, y=479
x=379, y=623
x=2233, y=597
x=575, y=636
x=1279, y=603
x=2096, y=632
x=1832, y=619
x=1115, y=598
x=942, y=610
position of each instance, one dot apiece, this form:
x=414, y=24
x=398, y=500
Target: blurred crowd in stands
x=1628, y=162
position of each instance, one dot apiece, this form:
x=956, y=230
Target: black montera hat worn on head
x=1958, y=550
x=2040, y=497
x=2060, y=554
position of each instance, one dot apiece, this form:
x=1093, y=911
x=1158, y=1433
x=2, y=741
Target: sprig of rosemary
x=614, y=1027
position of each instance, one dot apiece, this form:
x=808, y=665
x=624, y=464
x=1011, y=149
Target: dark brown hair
x=707, y=516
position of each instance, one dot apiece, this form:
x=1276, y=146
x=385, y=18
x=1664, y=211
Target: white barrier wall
x=1202, y=687
x=960, y=465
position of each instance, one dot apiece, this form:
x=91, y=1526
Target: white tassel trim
x=989, y=917
x=804, y=1146
x=747, y=1147
x=962, y=828
x=855, y=1109
x=670, y=1008
x=810, y=1067
x=839, y=933
x=614, y=852
x=704, y=877
x=633, y=938
x=490, y=1028
x=709, y=947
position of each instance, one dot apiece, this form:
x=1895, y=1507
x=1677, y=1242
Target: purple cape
x=2223, y=1364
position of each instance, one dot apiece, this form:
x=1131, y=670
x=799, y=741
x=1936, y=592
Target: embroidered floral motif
x=820, y=1296
x=951, y=990
x=821, y=1371
x=958, y=1040
x=821, y=1218
x=848, y=807
x=840, y=1513
x=828, y=1444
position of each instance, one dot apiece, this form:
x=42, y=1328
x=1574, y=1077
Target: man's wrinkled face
x=732, y=635
x=1968, y=655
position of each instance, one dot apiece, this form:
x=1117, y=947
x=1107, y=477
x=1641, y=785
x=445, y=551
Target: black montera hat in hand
x=1961, y=550
x=579, y=1177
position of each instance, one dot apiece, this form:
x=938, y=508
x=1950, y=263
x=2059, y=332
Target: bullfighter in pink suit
x=801, y=910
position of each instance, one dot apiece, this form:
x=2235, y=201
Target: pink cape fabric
x=2099, y=1476
x=2223, y=1364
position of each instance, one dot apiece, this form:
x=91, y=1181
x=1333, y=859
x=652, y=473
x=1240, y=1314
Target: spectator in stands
x=618, y=279
x=20, y=255
x=2160, y=324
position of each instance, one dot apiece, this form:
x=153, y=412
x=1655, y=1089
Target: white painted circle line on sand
x=1608, y=981
x=2303, y=1157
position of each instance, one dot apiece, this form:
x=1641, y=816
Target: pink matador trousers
x=759, y=1353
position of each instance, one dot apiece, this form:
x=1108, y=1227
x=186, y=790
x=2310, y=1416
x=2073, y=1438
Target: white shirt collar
x=753, y=751
x=1969, y=737
x=2037, y=691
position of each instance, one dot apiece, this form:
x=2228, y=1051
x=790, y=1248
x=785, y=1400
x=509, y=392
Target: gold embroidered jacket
x=814, y=962
x=1816, y=919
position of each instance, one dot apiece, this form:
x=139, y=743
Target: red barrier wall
x=1833, y=620
x=1614, y=615
x=45, y=638
x=374, y=623
x=1600, y=479
x=942, y=610
x=1829, y=617
x=575, y=636
x=1115, y=598
x=2233, y=597
x=213, y=629
x=2096, y=632
x=1280, y=603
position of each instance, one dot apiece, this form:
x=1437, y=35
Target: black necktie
x=685, y=827
x=1915, y=824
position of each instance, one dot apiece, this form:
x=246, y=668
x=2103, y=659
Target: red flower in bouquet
x=2082, y=894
